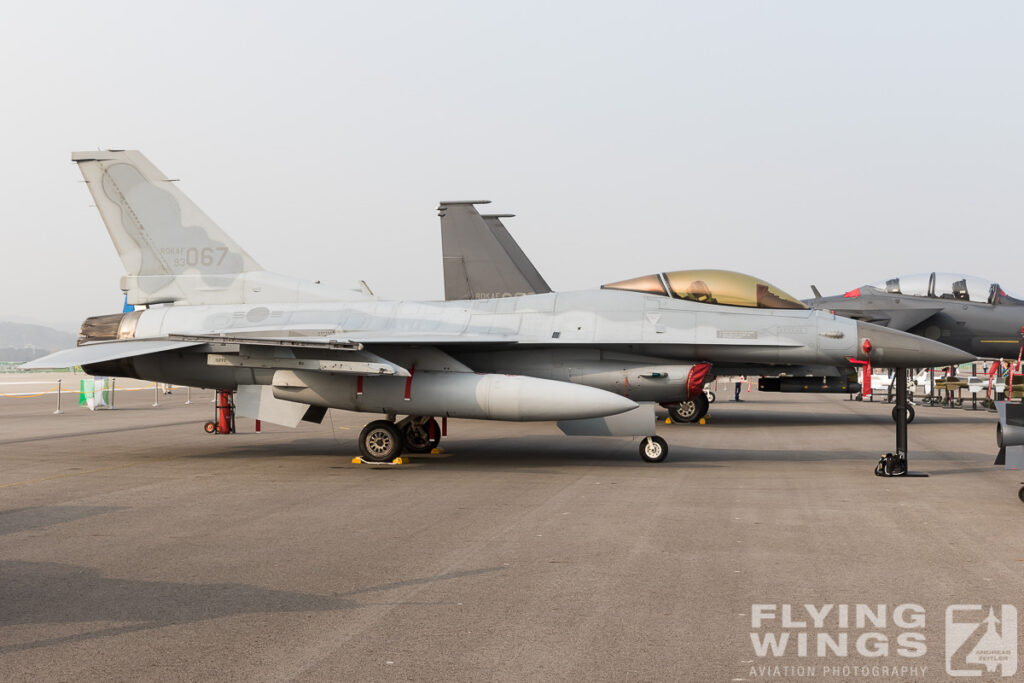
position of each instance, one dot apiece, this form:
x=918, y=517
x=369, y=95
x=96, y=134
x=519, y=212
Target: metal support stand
x=113, y=392
x=58, y=411
x=896, y=464
x=901, y=412
x=156, y=394
x=188, y=396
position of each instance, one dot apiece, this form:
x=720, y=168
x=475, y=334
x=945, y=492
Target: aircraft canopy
x=722, y=287
x=955, y=286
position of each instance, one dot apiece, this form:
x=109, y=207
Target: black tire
x=689, y=411
x=684, y=412
x=910, y=414
x=380, y=441
x=999, y=434
x=210, y=427
x=711, y=396
x=1020, y=494
x=653, y=449
x=418, y=440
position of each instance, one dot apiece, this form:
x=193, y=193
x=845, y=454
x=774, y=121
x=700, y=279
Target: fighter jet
x=479, y=255
x=967, y=312
x=596, y=360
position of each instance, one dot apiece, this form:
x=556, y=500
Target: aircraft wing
x=98, y=352
x=357, y=341
x=367, y=363
x=481, y=260
x=353, y=341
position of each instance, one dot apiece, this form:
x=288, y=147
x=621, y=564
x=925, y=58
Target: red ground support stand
x=224, y=415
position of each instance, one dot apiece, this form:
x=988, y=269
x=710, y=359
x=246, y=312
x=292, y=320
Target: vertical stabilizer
x=171, y=250
x=481, y=260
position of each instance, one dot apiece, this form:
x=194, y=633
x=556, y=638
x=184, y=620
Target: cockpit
x=721, y=287
x=956, y=286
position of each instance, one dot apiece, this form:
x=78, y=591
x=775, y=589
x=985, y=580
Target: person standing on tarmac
x=739, y=385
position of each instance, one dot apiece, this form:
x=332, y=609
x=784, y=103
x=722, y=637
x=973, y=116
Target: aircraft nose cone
x=894, y=349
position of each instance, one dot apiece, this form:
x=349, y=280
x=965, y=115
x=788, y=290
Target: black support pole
x=901, y=413
x=899, y=465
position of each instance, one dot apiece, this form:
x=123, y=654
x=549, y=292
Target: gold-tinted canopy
x=722, y=287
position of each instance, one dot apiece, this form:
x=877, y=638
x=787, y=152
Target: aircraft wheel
x=711, y=396
x=416, y=438
x=1020, y=494
x=209, y=427
x=999, y=434
x=910, y=414
x=689, y=411
x=653, y=449
x=380, y=441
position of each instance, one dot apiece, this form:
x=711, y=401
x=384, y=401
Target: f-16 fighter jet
x=482, y=260
x=596, y=360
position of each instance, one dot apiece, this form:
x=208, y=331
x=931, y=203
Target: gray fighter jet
x=967, y=312
x=596, y=361
x=481, y=256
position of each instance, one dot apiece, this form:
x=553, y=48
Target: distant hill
x=21, y=341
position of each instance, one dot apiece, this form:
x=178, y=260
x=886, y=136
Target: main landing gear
x=384, y=440
x=380, y=441
x=689, y=411
x=420, y=434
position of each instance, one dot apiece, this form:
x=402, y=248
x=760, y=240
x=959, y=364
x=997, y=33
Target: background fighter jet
x=970, y=313
x=595, y=360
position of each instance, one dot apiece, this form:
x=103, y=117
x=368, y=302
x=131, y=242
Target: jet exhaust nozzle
x=108, y=327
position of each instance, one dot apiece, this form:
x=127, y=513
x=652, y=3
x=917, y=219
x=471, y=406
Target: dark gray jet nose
x=894, y=349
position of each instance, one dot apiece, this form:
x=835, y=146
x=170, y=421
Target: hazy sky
x=802, y=142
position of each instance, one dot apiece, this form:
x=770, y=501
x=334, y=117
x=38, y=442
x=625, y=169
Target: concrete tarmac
x=133, y=546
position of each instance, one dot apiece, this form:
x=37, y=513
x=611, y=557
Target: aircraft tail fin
x=481, y=260
x=171, y=250
x=817, y=294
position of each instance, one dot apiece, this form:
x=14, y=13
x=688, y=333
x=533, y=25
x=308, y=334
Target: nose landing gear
x=653, y=449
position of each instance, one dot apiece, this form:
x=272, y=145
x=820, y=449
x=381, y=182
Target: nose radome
x=894, y=349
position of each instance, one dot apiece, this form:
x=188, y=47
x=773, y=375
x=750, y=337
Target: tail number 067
x=207, y=256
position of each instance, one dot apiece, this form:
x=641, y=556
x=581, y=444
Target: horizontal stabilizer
x=104, y=351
